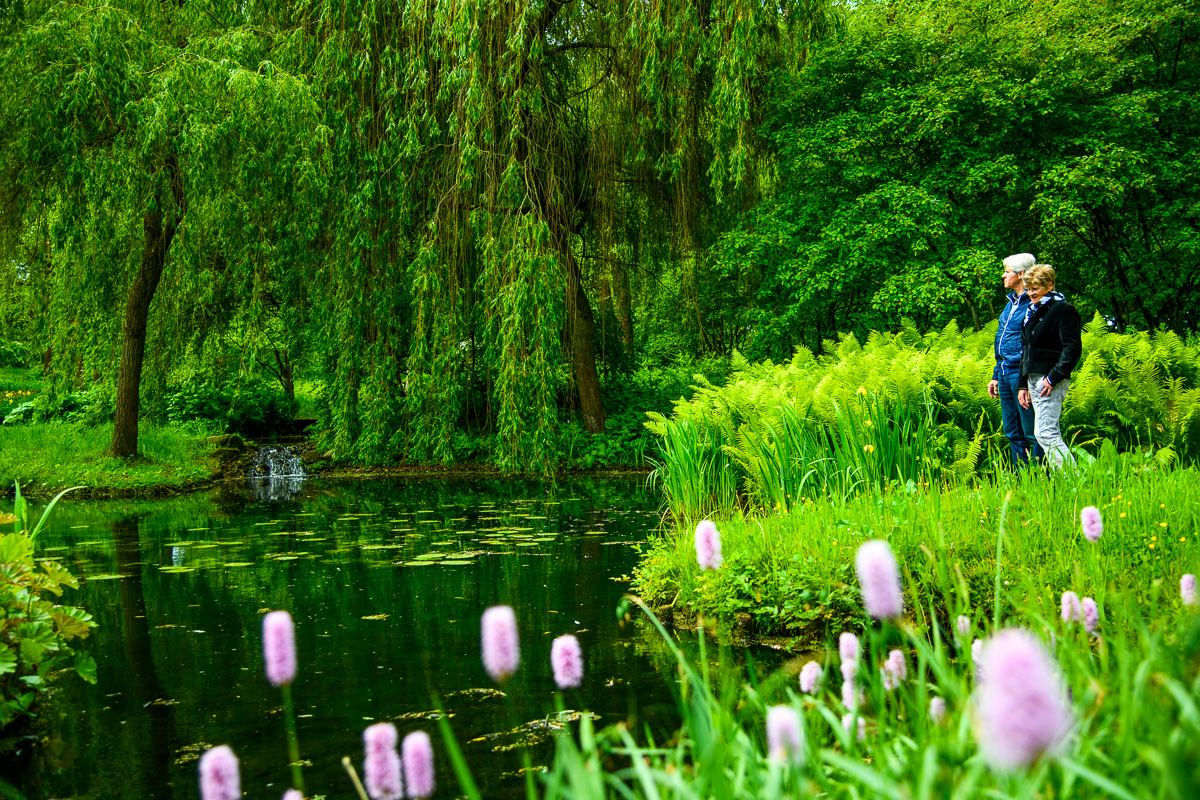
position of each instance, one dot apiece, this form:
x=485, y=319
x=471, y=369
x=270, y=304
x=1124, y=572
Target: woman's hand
x=1023, y=398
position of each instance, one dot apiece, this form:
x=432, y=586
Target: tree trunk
x=582, y=327
x=133, y=333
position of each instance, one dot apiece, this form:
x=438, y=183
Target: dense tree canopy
x=464, y=214
x=933, y=138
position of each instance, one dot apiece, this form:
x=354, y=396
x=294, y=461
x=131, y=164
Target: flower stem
x=289, y=720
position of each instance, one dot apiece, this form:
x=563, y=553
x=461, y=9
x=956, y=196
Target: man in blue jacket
x=1006, y=376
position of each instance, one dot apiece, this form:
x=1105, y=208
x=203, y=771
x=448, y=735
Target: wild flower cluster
x=1020, y=712
x=387, y=774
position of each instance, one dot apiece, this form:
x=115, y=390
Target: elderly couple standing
x=1037, y=345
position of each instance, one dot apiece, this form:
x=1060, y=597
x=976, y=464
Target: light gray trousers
x=1047, y=412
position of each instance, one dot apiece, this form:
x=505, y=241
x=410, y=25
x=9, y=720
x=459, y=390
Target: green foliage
x=254, y=408
x=931, y=139
x=1132, y=694
x=34, y=630
x=13, y=355
x=790, y=571
x=903, y=409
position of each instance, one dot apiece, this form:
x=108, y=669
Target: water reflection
x=386, y=580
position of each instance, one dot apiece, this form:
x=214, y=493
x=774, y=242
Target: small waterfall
x=277, y=473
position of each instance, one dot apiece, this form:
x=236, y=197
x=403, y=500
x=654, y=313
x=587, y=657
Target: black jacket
x=1051, y=343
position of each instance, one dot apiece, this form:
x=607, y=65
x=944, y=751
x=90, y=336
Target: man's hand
x=1046, y=388
x=1023, y=397
x=993, y=389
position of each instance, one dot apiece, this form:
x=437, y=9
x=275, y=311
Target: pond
x=386, y=580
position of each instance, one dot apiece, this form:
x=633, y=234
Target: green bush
x=905, y=407
x=13, y=354
x=254, y=408
x=35, y=631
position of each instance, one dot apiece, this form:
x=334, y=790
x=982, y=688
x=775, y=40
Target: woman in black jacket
x=1051, y=347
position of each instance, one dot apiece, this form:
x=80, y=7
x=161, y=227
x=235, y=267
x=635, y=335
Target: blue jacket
x=1007, y=347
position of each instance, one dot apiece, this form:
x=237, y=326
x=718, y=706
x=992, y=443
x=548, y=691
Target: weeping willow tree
x=503, y=162
x=148, y=147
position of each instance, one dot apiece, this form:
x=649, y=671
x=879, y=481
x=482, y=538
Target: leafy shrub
x=253, y=408
x=34, y=631
x=13, y=354
x=907, y=406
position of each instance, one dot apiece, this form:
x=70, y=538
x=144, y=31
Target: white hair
x=1019, y=263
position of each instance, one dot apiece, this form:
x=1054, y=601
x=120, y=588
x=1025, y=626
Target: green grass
x=793, y=572
x=48, y=457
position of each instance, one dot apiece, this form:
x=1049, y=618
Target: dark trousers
x=1018, y=422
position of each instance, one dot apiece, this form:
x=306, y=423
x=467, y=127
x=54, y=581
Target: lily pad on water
x=454, y=562
x=240, y=564
x=534, y=731
x=419, y=715
x=376, y=616
x=430, y=557
x=419, y=563
x=477, y=694
x=174, y=570
x=109, y=577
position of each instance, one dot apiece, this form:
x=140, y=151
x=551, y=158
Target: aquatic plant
x=381, y=763
x=1091, y=614
x=1022, y=706
x=1093, y=525
x=1071, y=609
x=418, y=764
x=937, y=710
x=279, y=664
x=785, y=737
x=879, y=579
x=708, y=545
x=811, y=677
x=500, y=643
x=279, y=648
x=219, y=776
x=566, y=659
x=894, y=670
x=1187, y=590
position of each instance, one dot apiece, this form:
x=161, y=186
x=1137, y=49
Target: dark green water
x=386, y=581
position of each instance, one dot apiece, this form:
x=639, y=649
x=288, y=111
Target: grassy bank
x=48, y=457
x=793, y=573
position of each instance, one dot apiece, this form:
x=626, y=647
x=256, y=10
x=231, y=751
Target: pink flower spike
x=293, y=794
x=279, y=648
x=501, y=646
x=937, y=710
x=848, y=721
x=785, y=737
x=894, y=670
x=418, y=764
x=1022, y=702
x=879, y=578
x=1072, y=611
x=567, y=661
x=1091, y=614
x=1093, y=525
x=381, y=764
x=848, y=647
x=963, y=626
x=850, y=695
x=219, y=778
x=811, y=677
x=708, y=545
x=1187, y=590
